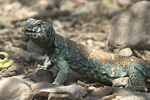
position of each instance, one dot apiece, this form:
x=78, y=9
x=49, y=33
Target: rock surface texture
x=131, y=27
x=14, y=89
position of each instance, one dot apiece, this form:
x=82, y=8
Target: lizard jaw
x=29, y=33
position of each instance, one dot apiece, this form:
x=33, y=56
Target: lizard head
x=39, y=31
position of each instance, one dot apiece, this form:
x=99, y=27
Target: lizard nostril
x=30, y=19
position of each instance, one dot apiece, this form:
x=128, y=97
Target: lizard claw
x=56, y=83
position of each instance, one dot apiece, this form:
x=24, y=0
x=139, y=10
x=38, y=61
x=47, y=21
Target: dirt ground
x=85, y=21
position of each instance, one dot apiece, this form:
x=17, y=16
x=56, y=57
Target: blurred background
x=115, y=26
x=118, y=26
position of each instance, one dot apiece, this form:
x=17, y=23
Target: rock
x=41, y=85
x=68, y=5
x=133, y=98
x=91, y=88
x=58, y=24
x=74, y=77
x=9, y=74
x=11, y=71
x=8, y=7
x=131, y=27
x=14, y=89
x=93, y=98
x=147, y=54
x=41, y=75
x=125, y=52
x=19, y=43
x=97, y=36
x=4, y=31
x=88, y=8
x=111, y=97
x=12, y=68
x=120, y=82
x=8, y=43
x=102, y=92
x=90, y=42
x=31, y=47
x=122, y=91
x=53, y=96
x=75, y=92
x=124, y=2
x=19, y=53
x=127, y=94
x=108, y=8
x=45, y=4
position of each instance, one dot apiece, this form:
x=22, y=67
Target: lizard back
x=106, y=63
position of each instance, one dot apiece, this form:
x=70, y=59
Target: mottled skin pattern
x=98, y=66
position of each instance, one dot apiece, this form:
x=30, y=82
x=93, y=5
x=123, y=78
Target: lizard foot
x=137, y=74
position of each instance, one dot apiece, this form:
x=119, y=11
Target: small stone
x=45, y=3
x=8, y=7
x=9, y=74
x=147, y=54
x=41, y=75
x=124, y=2
x=16, y=5
x=90, y=42
x=58, y=24
x=120, y=82
x=125, y=52
x=97, y=36
x=12, y=68
x=69, y=5
x=92, y=88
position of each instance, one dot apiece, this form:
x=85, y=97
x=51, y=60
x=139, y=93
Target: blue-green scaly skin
x=98, y=66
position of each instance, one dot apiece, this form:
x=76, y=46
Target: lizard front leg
x=137, y=75
x=63, y=67
x=48, y=64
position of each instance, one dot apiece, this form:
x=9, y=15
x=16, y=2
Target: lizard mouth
x=29, y=32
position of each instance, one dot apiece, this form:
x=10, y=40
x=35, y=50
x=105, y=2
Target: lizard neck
x=48, y=45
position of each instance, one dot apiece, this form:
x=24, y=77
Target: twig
x=138, y=54
x=45, y=15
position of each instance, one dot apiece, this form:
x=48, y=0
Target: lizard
x=98, y=66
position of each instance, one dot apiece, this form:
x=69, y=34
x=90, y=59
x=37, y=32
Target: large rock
x=127, y=94
x=131, y=27
x=73, y=92
x=14, y=89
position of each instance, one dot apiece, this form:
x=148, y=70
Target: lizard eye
x=39, y=24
